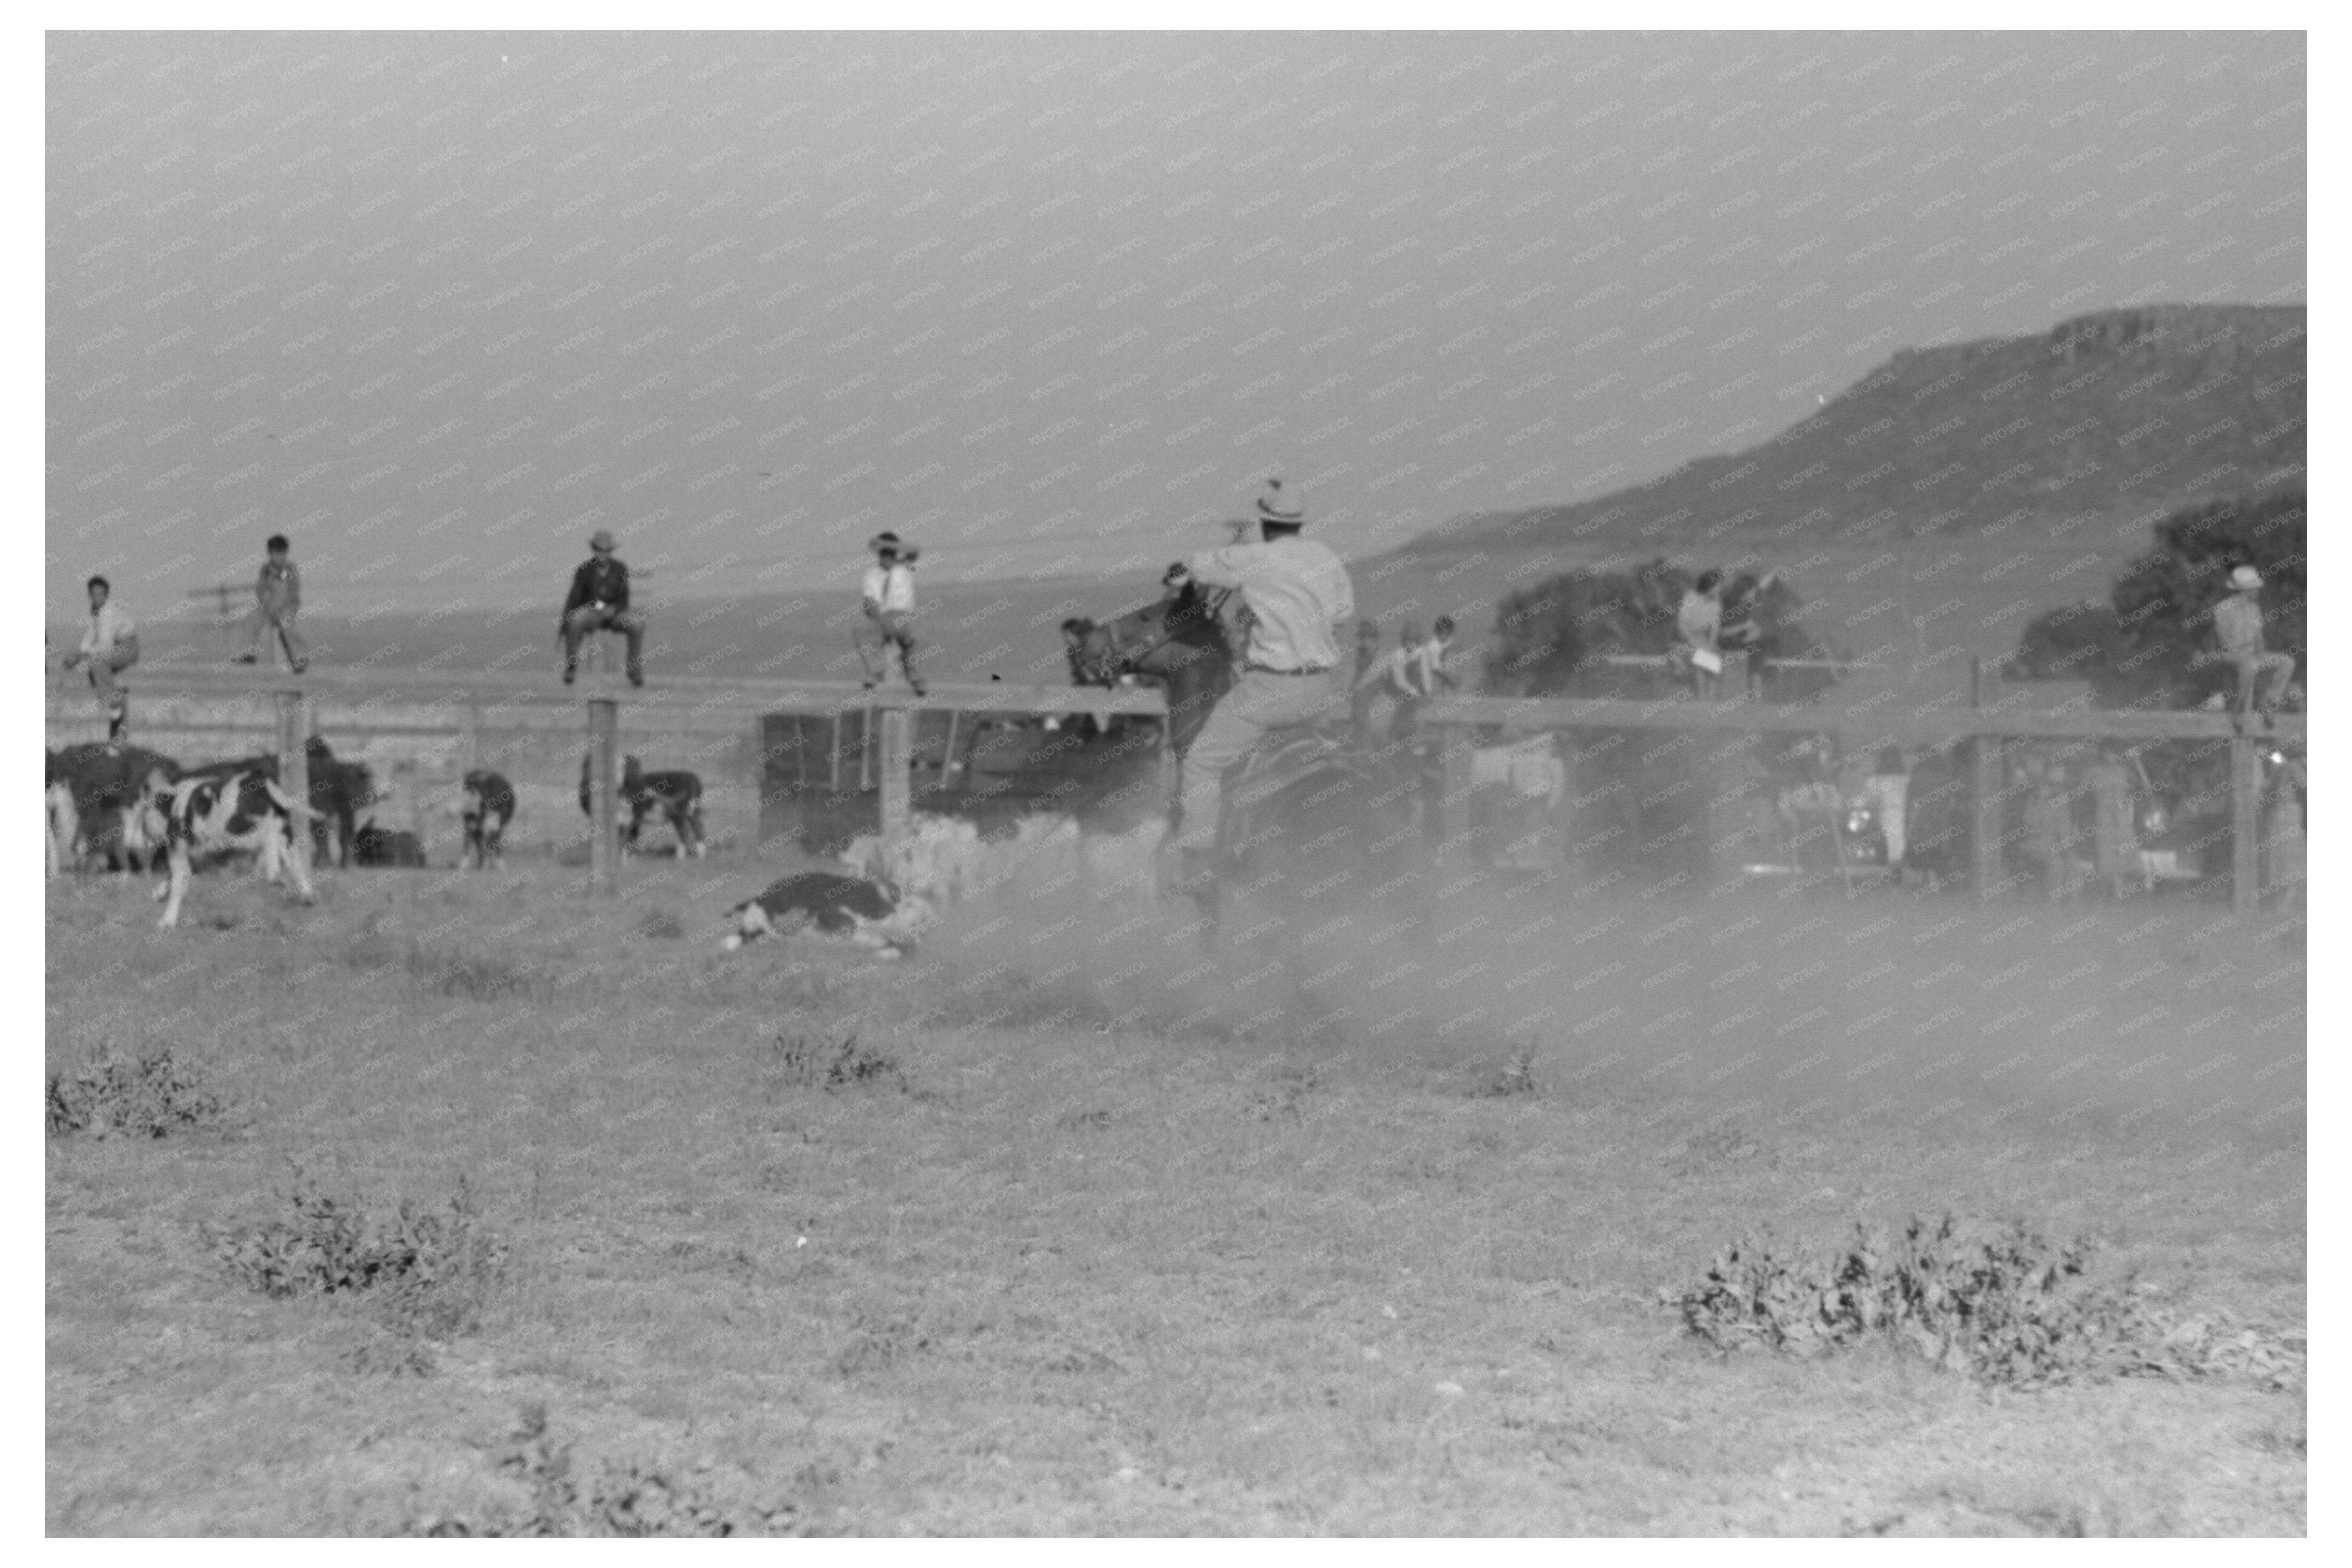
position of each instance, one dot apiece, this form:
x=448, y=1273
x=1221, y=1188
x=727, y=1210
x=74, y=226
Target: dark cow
x=674, y=793
x=93, y=792
x=222, y=814
x=489, y=806
x=372, y=845
x=868, y=913
x=339, y=791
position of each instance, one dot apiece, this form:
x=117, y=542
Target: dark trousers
x=604, y=618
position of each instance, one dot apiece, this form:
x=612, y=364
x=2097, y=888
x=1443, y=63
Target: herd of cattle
x=142, y=810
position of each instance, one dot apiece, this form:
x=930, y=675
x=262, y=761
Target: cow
x=102, y=785
x=339, y=791
x=676, y=794
x=221, y=813
x=869, y=913
x=489, y=806
x=372, y=845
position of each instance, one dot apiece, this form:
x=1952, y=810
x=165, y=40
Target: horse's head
x=1162, y=642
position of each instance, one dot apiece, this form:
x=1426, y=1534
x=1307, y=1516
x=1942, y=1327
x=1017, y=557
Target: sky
x=439, y=305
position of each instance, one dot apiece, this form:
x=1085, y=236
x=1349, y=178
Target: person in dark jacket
x=599, y=601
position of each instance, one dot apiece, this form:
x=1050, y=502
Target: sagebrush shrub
x=431, y=1269
x=820, y=1062
x=152, y=1097
x=2001, y=1302
x=627, y=1499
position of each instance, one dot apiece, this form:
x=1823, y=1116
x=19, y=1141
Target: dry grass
x=1146, y=1246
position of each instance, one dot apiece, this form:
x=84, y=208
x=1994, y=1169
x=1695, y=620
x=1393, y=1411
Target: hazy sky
x=438, y=304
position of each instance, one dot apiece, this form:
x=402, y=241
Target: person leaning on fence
x=1432, y=659
x=2238, y=629
x=599, y=601
x=888, y=597
x=1298, y=597
x=109, y=644
x=1699, y=631
x=276, y=602
x=1393, y=687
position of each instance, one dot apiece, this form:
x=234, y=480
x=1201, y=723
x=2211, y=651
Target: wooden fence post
x=603, y=821
x=2245, y=825
x=294, y=716
x=898, y=775
x=1985, y=788
x=1454, y=768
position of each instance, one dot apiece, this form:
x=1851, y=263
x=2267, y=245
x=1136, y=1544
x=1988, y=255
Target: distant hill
x=2106, y=421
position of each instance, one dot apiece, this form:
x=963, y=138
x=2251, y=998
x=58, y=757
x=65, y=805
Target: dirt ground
x=1357, y=1229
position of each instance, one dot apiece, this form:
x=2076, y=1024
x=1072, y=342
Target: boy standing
x=277, y=601
x=888, y=597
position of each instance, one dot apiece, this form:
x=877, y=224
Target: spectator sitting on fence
x=2238, y=629
x=887, y=598
x=277, y=601
x=599, y=601
x=109, y=644
x=1698, y=629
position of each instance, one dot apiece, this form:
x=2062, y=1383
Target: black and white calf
x=222, y=814
x=489, y=807
x=868, y=913
x=674, y=794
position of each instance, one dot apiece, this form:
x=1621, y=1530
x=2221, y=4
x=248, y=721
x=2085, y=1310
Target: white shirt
x=1297, y=594
x=1430, y=660
x=109, y=626
x=891, y=589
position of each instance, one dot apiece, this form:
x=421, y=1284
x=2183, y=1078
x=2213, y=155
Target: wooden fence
x=1981, y=726
x=729, y=713
x=225, y=709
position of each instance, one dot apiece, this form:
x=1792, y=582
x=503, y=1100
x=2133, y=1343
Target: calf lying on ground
x=372, y=845
x=489, y=806
x=676, y=794
x=219, y=814
x=868, y=913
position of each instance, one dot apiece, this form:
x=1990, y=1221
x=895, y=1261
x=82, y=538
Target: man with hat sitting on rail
x=1298, y=596
x=2238, y=628
x=599, y=601
x=888, y=597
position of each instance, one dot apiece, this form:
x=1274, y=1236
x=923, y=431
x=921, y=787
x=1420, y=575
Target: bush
x=626, y=1498
x=817, y=1062
x=149, y=1099
x=2001, y=1304
x=430, y=1270
x=2142, y=647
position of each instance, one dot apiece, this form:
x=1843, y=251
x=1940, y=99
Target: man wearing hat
x=1298, y=596
x=2238, y=627
x=599, y=601
x=888, y=596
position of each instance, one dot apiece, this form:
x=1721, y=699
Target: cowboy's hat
x=2245, y=577
x=601, y=540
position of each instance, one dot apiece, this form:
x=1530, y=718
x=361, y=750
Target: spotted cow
x=867, y=912
x=222, y=814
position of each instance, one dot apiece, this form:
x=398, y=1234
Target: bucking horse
x=1311, y=818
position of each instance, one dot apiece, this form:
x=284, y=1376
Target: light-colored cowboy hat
x=2245, y=577
x=601, y=540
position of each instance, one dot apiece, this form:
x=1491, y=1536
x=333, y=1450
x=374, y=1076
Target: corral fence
x=2012, y=797
x=778, y=759
x=820, y=760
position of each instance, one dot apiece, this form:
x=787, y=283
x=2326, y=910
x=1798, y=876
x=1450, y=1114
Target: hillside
x=2094, y=426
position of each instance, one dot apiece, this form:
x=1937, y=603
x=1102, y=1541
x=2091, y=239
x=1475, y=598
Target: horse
x=1307, y=814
